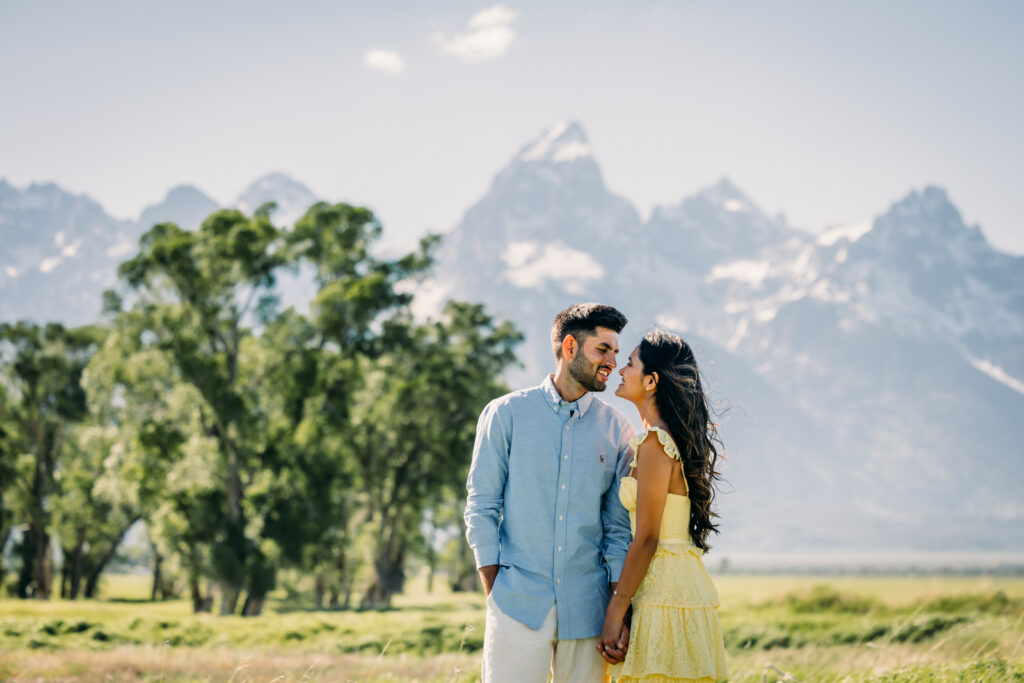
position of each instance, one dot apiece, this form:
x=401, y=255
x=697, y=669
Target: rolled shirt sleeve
x=614, y=517
x=485, y=485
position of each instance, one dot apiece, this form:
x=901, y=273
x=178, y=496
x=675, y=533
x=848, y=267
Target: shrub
x=827, y=599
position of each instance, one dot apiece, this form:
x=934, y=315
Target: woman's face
x=633, y=386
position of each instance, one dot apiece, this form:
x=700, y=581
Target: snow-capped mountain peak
x=563, y=142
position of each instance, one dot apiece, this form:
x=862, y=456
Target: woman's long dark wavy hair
x=684, y=407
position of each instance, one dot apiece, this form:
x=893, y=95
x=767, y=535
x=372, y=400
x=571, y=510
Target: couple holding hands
x=588, y=538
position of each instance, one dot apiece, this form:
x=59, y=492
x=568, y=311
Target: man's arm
x=614, y=517
x=485, y=489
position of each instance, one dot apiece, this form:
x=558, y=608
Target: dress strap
x=665, y=439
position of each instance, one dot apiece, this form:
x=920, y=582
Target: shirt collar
x=554, y=399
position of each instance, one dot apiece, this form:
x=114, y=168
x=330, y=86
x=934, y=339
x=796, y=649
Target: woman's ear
x=653, y=383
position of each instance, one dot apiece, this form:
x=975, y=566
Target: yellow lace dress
x=675, y=634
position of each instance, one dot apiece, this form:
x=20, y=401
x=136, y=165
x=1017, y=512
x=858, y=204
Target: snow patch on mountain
x=671, y=323
x=541, y=148
x=750, y=272
x=851, y=233
x=571, y=151
x=562, y=143
x=532, y=264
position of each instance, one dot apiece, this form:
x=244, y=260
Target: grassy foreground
x=813, y=629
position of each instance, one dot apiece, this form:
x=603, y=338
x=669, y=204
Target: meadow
x=805, y=628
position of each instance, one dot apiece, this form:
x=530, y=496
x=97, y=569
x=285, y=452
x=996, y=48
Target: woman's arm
x=653, y=475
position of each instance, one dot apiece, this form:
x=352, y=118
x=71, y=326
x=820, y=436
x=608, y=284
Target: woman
x=675, y=634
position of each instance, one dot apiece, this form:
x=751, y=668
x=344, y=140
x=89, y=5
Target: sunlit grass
x=813, y=628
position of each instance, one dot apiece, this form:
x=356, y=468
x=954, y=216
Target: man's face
x=595, y=359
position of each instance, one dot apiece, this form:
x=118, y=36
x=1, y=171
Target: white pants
x=515, y=653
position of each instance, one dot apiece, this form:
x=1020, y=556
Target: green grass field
x=813, y=629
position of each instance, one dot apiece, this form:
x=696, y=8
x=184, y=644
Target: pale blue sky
x=825, y=111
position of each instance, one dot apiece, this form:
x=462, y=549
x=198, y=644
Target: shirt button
x=566, y=427
x=558, y=581
x=561, y=517
x=559, y=548
x=563, y=487
x=565, y=457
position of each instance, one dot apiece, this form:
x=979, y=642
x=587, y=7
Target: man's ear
x=569, y=347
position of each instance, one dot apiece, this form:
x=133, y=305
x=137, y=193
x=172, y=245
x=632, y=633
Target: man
x=542, y=514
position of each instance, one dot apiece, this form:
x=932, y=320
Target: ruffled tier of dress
x=673, y=644
x=675, y=633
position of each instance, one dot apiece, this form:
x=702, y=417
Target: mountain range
x=869, y=379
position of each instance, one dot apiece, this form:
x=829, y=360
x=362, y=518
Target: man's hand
x=487, y=576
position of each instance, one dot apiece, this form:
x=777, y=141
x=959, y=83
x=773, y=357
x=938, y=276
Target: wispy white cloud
x=385, y=60
x=489, y=36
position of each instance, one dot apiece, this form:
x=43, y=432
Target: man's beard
x=585, y=374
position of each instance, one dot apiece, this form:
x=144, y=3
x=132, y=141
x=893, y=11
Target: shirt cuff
x=614, y=570
x=485, y=555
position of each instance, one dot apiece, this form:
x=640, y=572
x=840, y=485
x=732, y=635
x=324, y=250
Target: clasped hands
x=614, y=640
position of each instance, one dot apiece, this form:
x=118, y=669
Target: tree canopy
x=247, y=437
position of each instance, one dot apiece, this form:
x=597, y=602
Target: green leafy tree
x=259, y=471
x=91, y=513
x=41, y=370
x=413, y=429
x=159, y=461
x=318, y=368
x=7, y=474
x=196, y=290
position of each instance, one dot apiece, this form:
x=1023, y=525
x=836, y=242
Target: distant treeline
x=246, y=436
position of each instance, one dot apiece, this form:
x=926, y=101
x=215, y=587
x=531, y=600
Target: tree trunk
x=5, y=533
x=42, y=565
x=464, y=575
x=93, y=581
x=431, y=557
x=253, y=605
x=318, y=592
x=389, y=567
x=229, y=598
x=65, y=577
x=76, y=566
x=158, y=562
x=200, y=603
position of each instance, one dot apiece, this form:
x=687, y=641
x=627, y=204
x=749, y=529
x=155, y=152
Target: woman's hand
x=614, y=637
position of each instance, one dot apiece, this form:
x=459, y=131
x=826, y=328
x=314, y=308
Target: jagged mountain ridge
x=60, y=251
x=874, y=371
x=887, y=355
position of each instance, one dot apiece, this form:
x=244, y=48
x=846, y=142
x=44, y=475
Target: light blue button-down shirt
x=543, y=504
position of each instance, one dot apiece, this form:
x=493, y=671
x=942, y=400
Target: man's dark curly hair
x=581, y=321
